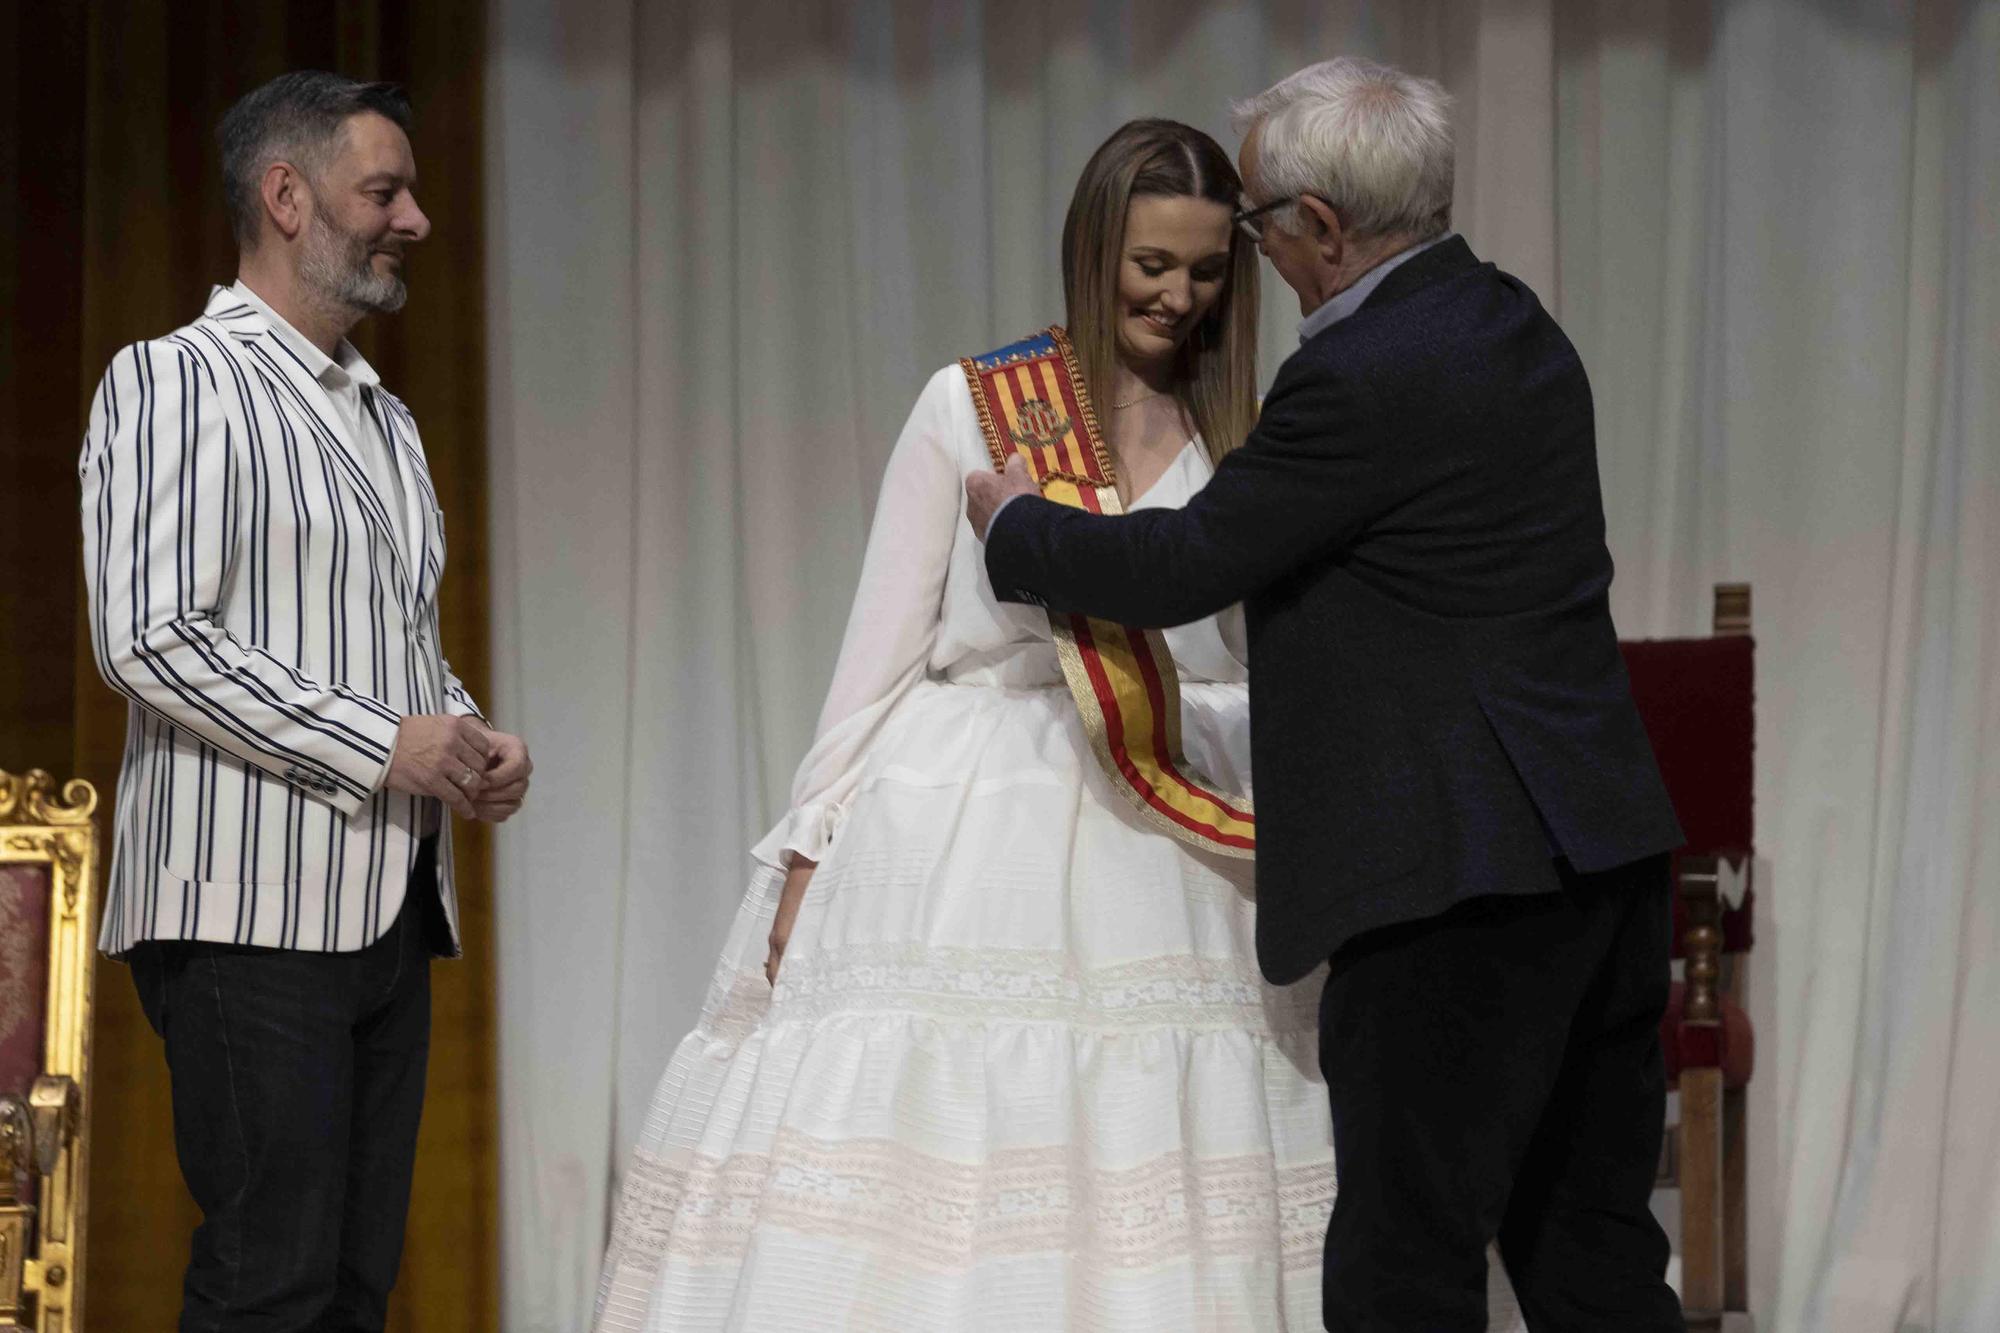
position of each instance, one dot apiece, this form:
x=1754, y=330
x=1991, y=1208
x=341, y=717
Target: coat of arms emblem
x=1040, y=425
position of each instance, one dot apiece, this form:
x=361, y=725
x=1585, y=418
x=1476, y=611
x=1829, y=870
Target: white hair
x=1372, y=141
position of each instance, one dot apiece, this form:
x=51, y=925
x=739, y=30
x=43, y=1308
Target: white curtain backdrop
x=729, y=242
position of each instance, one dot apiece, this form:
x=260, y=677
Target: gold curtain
x=115, y=233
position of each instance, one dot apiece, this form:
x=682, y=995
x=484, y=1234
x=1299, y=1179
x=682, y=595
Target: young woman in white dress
x=986, y=1050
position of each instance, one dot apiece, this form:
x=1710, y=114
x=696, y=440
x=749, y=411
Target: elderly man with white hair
x=1456, y=802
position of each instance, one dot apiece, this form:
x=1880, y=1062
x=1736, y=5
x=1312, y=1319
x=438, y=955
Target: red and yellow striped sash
x=1031, y=401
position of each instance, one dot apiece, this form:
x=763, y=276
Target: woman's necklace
x=1133, y=402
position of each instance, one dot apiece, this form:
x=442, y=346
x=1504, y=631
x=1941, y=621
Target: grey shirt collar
x=1345, y=303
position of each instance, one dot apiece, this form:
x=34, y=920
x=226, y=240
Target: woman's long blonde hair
x=1215, y=371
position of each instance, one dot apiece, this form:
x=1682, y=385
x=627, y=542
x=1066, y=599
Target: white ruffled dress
x=1019, y=1071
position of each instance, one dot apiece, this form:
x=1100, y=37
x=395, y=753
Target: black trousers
x=1495, y=1071
x=298, y=1080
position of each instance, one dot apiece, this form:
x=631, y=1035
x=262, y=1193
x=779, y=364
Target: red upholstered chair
x=48, y=910
x=1698, y=699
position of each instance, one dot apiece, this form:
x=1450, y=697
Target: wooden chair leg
x=1701, y=1194
x=1735, y=1208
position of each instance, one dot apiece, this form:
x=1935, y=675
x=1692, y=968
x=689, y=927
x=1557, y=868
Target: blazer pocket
x=208, y=828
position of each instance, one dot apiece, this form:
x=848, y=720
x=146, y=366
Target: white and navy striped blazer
x=251, y=597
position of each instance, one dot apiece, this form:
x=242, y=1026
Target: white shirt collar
x=333, y=372
x=1346, y=302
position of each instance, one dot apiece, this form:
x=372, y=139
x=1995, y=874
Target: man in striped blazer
x=263, y=548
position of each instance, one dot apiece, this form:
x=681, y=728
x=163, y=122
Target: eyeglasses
x=1250, y=221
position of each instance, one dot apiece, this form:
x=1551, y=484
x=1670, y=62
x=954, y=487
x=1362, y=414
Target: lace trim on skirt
x=949, y=1215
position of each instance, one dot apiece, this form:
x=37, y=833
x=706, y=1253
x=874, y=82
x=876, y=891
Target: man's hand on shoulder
x=985, y=492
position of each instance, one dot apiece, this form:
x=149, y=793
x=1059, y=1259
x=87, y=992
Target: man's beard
x=338, y=267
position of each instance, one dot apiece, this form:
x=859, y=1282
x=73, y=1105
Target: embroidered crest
x=1040, y=425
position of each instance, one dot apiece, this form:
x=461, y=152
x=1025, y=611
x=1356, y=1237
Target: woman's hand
x=788, y=910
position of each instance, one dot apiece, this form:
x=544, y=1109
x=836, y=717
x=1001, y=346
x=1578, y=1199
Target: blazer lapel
x=305, y=404
x=421, y=502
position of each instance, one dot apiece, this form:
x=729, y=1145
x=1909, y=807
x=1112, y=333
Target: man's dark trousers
x=298, y=1081
x=1495, y=1071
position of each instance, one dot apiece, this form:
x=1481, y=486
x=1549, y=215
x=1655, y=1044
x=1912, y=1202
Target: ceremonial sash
x=1031, y=400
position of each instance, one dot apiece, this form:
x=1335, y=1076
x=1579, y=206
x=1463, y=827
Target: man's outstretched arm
x=1307, y=479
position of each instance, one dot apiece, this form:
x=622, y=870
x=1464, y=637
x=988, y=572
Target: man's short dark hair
x=295, y=118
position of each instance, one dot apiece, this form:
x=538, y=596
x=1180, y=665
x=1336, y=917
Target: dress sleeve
x=894, y=623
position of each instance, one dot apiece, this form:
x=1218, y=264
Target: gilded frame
x=40, y=825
